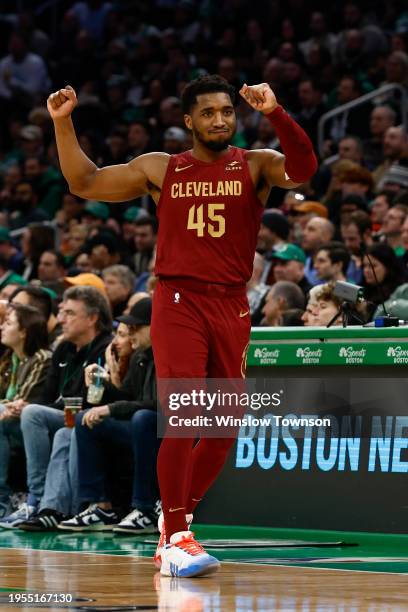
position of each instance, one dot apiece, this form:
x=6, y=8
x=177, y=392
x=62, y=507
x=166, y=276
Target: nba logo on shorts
x=177, y=298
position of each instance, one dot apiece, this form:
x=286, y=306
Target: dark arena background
x=305, y=515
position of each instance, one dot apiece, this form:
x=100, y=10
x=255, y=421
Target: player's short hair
x=210, y=83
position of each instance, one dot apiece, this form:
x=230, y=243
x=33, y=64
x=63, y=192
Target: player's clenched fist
x=61, y=103
x=260, y=97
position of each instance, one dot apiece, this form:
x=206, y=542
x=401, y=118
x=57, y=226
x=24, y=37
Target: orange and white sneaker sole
x=162, y=540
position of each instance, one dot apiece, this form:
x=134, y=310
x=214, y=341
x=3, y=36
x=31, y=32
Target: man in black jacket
x=86, y=325
x=127, y=420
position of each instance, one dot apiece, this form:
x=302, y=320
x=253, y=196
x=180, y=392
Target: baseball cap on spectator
x=277, y=223
x=97, y=209
x=396, y=175
x=289, y=252
x=309, y=206
x=175, y=133
x=31, y=132
x=4, y=234
x=140, y=313
x=86, y=279
x=133, y=213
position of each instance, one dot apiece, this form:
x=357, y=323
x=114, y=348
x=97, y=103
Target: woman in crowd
x=23, y=370
x=382, y=275
x=118, y=355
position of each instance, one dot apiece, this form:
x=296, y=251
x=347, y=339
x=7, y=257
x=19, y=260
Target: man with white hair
x=119, y=283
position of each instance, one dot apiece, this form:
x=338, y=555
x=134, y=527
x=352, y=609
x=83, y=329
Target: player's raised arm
x=299, y=163
x=110, y=184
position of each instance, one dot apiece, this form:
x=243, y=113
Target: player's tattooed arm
x=117, y=183
x=299, y=163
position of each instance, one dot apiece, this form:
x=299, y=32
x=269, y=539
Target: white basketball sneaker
x=162, y=539
x=184, y=557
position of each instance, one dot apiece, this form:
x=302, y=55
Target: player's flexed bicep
x=299, y=163
x=111, y=184
x=123, y=182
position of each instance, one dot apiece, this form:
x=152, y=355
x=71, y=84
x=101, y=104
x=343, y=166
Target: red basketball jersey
x=209, y=217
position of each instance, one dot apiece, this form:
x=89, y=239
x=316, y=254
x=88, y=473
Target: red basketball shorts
x=199, y=330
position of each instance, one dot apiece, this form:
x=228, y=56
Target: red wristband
x=300, y=160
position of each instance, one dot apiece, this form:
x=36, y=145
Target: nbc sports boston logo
x=307, y=355
x=265, y=356
x=398, y=354
x=351, y=355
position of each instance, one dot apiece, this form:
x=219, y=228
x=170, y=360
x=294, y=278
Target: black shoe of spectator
x=45, y=520
x=139, y=523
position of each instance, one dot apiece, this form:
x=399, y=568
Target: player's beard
x=214, y=145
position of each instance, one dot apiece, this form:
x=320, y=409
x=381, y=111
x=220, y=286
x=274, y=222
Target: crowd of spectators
x=70, y=267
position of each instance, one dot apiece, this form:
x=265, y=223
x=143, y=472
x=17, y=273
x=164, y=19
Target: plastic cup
x=96, y=388
x=95, y=394
x=72, y=405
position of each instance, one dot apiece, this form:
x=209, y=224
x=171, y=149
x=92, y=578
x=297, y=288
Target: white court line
x=328, y=569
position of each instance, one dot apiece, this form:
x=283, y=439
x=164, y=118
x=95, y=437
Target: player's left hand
x=94, y=416
x=260, y=97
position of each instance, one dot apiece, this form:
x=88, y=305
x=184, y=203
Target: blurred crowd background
x=128, y=62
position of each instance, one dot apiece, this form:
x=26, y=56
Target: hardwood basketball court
x=315, y=572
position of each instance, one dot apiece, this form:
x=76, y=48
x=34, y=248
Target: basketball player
x=209, y=203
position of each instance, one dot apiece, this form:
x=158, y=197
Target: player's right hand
x=61, y=103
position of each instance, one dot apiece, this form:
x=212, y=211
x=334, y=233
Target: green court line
x=395, y=540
